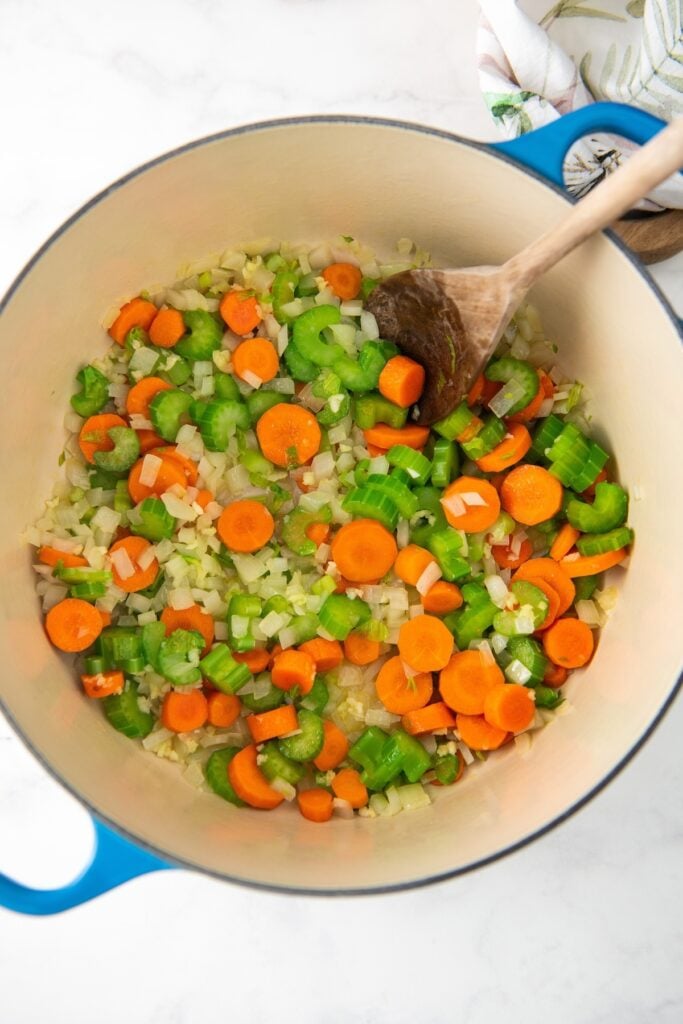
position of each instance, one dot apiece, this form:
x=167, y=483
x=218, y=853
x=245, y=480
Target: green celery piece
x=205, y=336
x=166, y=411
x=216, y=774
x=275, y=765
x=221, y=669
x=601, y=543
x=295, y=525
x=152, y=635
x=123, y=712
x=259, y=402
x=125, y=452
x=178, y=657
x=156, y=522
x=371, y=503
x=94, y=392
x=608, y=511
x=283, y=289
x=373, y=408
x=309, y=742
x=509, y=369
x=307, y=335
x=340, y=614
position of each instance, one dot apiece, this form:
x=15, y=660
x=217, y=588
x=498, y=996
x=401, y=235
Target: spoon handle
x=651, y=165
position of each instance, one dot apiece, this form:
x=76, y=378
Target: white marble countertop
x=583, y=926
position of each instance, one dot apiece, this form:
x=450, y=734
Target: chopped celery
x=125, y=452
x=296, y=524
x=178, y=657
x=166, y=411
x=371, y=503
x=340, y=614
x=94, y=393
x=205, y=336
x=216, y=774
x=123, y=712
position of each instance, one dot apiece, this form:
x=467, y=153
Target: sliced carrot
x=103, y=684
x=364, y=550
x=327, y=654
x=411, y=562
x=591, y=565
x=510, y=707
x=335, y=748
x=483, y=390
x=472, y=428
x=546, y=389
x=270, y=724
x=315, y=804
x=250, y=783
x=374, y=451
x=318, y=533
x=293, y=668
x=289, y=435
x=106, y=618
x=566, y=539
x=510, y=450
x=475, y=518
x=478, y=734
x=184, y=712
x=204, y=498
x=386, y=437
x=398, y=693
x=569, y=643
x=425, y=643
x=73, y=624
x=256, y=660
x=441, y=598
x=140, y=578
x=240, y=311
x=530, y=494
x=188, y=467
x=555, y=675
x=136, y=313
x=223, y=709
x=503, y=557
x=245, y=526
x=256, y=356
x=402, y=381
x=344, y=279
x=429, y=718
x=167, y=328
x=190, y=618
x=275, y=650
x=170, y=474
x=148, y=440
x=554, y=573
x=553, y=601
x=360, y=650
x=51, y=556
x=94, y=435
x=348, y=785
x=466, y=680
x=142, y=393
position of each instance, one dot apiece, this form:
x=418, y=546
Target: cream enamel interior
x=309, y=181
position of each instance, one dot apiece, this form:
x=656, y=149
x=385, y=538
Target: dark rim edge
x=323, y=119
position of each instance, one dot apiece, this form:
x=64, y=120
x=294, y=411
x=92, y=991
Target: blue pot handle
x=115, y=860
x=544, y=150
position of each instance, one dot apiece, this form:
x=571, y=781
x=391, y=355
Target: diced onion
x=509, y=395
x=428, y=578
x=286, y=789
x=403, y=533
x=413, y=796
x=121, y=561
x=454, y=504
x=497, y=590
x=473, y=499
x=342, y=807
x=180, y=598
x=368, y=325
x=589, y=613
x=150, y=469
x=516, y=672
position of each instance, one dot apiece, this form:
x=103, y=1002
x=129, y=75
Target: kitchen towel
x=538, y=61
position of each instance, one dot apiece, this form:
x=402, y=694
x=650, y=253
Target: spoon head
x=450, y=321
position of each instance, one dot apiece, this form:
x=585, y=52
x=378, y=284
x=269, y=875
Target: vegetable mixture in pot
x=270, y=574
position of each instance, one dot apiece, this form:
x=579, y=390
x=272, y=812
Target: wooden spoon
x=452, y=320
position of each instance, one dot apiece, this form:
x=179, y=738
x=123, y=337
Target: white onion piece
x=180, y=598
x=498, y=592
x=509, y=395
x=473, y=499
x=252, y=379
x=517, y=673
x=589, y=613
x=428, y=578
x=146, y=557
x=286, y=789
x=454, y=504
x=151, y=464
x=403, y=533
x=121, y=561
x=342, y=807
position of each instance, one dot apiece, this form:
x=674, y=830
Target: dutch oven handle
x=544, y=150
x=115, y=860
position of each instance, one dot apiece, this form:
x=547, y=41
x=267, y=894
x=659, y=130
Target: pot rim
x=352, y=119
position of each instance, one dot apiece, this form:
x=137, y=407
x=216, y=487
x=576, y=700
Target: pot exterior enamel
x=310, y=180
